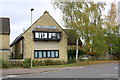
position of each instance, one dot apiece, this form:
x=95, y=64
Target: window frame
x=46, y=54
x=49, y=38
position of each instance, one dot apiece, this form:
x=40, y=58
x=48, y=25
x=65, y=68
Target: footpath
x=32, y=70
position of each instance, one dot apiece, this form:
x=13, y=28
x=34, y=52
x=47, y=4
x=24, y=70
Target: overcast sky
x=20, y=16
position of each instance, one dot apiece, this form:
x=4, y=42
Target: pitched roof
x=20, y=37
x=55, y=30
x=72, y=37
x=5, y=25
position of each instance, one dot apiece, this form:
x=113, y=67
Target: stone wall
x=29, y=43
x=5, y=46
x=4, y=41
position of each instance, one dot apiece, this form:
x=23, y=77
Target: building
x=72, y=37
x=5, y=37
x=45, y=39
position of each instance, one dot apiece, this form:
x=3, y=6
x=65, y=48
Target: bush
x=48, y=62
x=53, y=62
x=27, y=63
x=72, y=53
x=5, y=64
x=37, y=63
x=71, y=61
x=20, y=56
x=16, y=63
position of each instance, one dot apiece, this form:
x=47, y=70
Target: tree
x=112, y=29
x=86, y=19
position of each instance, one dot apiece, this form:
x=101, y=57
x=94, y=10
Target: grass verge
x=75, y=64
x=84, y=63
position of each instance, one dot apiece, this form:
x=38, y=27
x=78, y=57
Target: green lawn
x=74, y=64
x=85, y=63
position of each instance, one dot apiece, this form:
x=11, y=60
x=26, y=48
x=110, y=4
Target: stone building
x=5, y=37
x=44, y=39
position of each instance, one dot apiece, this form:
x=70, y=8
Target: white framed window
x=45, y=35
x=36, y=34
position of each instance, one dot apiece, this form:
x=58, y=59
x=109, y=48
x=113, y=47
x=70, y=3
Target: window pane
x=58, y=35
x=48, y=53
x=53, y=35
x=50, y=35
x=36, y=35
x=40, y=35
x=56, y=53
x=52, y=54
x=44, y=53
x=40, y=54
x=45, y=35
x=35, y=54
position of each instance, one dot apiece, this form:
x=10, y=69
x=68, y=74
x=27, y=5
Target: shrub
x=20, y=56
x=16, y=63
x=5, y=64
x=53, y=62
x=48, y=62
x=27, y=63
x=71, y=61
x=37, y=63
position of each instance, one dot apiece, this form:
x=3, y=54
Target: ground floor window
x=46, y=53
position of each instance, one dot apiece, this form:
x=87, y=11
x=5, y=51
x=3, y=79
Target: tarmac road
x=106, y=70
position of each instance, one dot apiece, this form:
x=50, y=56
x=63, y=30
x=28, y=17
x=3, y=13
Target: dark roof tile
x=72, y=37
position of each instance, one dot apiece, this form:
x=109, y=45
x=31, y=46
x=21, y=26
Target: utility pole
x=31, y=38
x=77, y=50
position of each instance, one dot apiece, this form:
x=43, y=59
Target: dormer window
x=56, y=36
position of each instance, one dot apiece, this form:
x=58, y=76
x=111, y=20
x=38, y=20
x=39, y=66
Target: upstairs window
x=36, y=35
x=47, y=36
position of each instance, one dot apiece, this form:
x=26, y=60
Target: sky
x=20, y=15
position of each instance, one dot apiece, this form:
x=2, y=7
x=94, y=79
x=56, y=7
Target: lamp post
x=31, y=38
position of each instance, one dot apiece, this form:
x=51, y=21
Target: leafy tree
x=112, y=29
x=86, y=19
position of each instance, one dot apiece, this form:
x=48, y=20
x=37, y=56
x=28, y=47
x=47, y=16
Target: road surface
x=106, y=70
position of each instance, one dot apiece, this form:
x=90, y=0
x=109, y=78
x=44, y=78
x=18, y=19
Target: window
x=40, y=35
x=50, y=35
x=58, y=35
x=46, y=54
x=35, y=54
x=36, y=35
x=56, y=53
x=53, y=36
x=40, y=54
x=47, y=36
x=52, y=54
